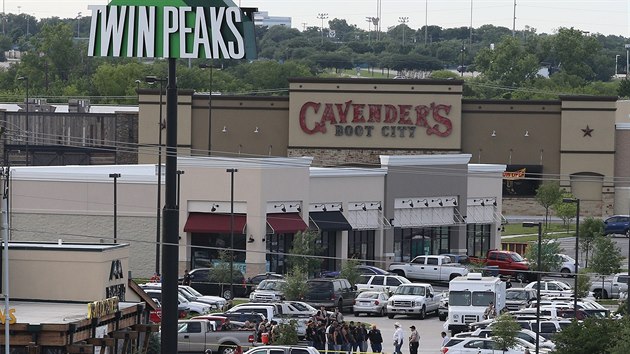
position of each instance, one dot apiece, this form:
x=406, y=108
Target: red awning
x=208, y=223
x=286, y=223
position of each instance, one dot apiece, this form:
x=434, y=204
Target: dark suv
x=617, y=224
x=201, y=280
x=330, y=293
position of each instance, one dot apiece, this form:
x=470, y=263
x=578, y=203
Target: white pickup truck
x=611, y=287
x=413, y=299
x=434, y=268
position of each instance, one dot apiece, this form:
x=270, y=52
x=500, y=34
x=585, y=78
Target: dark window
x=377, y=280
x=294, y=351
x=547, y=328
x=329, y=250
x=277, y=246
x=478, y=239
x=363, y=279
x=391, y=281
x=205, y=249
x=361, y=244
x=194, y=327
x=412, y=242
x=432, y=261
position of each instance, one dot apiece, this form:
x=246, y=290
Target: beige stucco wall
x=65, y=274
x=257, y=186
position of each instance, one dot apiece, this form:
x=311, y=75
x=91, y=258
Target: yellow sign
x=513, y=175
x=101, y=308
x=3, y=317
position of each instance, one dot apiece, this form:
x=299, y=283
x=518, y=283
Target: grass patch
x=554, y=231
x=608, y=301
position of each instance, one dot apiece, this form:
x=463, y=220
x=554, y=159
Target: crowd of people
x=330, y=332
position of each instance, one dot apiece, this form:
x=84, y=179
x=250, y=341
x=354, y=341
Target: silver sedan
x=370, y=302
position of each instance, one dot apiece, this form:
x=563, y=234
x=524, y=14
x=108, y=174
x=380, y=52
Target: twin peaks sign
x=172, y=29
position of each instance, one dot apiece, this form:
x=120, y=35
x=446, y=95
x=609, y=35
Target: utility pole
x=322, y=16
x=426, y=21
x=471, y=23
x=304, y=26
x=369, y=21
x=514, y=21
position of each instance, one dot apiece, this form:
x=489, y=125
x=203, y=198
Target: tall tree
x=565, y=211
x=504, y=331
x=549, y=260
x=606, y=256
x=548, y=194
x=508, y=63
x=55, y=41
x=592, y=335
x=590, y=230
x=305, y=252
x=575, y=52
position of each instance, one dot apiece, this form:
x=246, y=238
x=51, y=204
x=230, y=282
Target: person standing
x=414, y=340
x=362, y=337
x=445, y=338
x=490, y=311
x=186, y=280
x=330, y=336
x=376, y=339
x=398, y=338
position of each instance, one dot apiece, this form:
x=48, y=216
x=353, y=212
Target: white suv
x=382, y=283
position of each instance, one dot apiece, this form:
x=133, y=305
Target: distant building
x=262, y=18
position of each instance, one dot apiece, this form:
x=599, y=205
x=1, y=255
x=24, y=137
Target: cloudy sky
x=602, y=16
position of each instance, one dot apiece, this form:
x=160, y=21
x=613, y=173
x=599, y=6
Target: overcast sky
x=603, y=16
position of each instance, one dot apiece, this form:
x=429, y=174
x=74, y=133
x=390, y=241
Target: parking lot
x=429, y=330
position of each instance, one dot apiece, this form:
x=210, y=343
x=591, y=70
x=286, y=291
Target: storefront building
x=397, y=210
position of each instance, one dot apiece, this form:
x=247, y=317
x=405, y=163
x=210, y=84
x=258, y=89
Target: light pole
x=577, y=249
x=231, y=171
x=179, y=177
x=151, y=80
x=25, y=79
x=322, y=16
x=79, y=25
x=115, y=176
x=403, y=21
x=369, y=21
x=616, y=65
x=627, y=46
x=539, y=270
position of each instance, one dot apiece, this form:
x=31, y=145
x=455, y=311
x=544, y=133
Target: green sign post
x=171, y=29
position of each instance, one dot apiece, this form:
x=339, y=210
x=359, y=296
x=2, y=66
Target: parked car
x=509, y=263
x=381, y=283
x=193, y=307
x=269, y=290
x=204, y=281
x=617, y=225
x=551, y=288
x=475, y=345
x=370, y=303
x=567, y=265
x=413, y=299
x=525, y=334
x=457, y=258
x=199, y=335
x=611, y=287
x=330, y=293
x=363, y=269
x=216, y=302
x=283, y=349
x=519, y=298
x=253, y=282
x=434, y=268
x=242, y=316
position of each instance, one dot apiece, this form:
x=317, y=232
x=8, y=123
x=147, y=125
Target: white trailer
x=469, y=297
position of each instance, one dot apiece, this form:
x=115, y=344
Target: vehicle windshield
x=482, y=298
x=270, y=285
x=192, y=291
x=186, y=295
x=515, y=295
x=459, y=298
x=564, y=286
x=410, y=290
x=517, y=257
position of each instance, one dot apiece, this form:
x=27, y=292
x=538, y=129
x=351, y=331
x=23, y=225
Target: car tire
x=565, y=272
x=228, y=349
x=390, y=315
x=423, y=313
x=356, y=314
x=628, y=233
x=399, y=273
x=227, y=294
x=600, y=294
x=442, y=317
